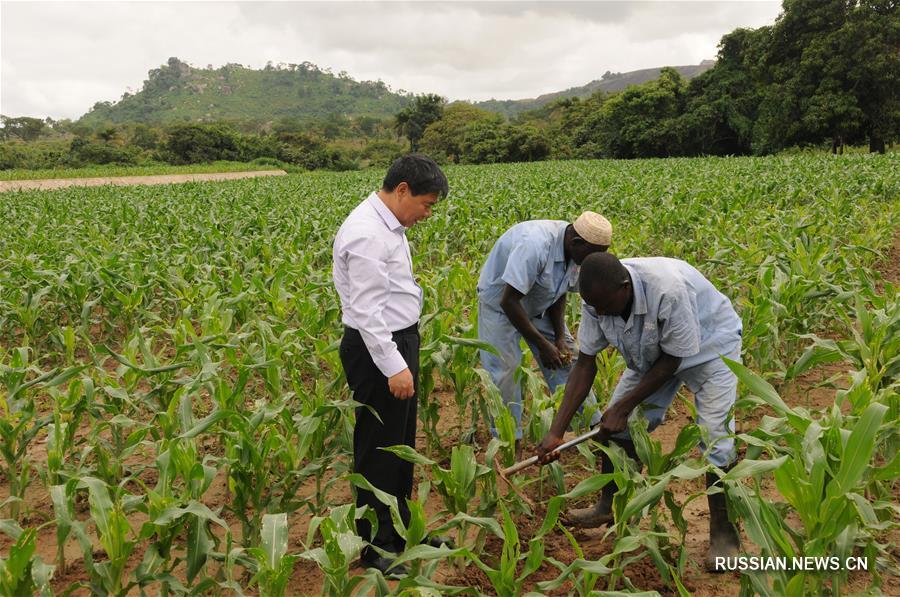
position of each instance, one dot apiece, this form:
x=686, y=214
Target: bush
x=83, y=152
x=201, y=143
x=33, y=156
x=383, y=153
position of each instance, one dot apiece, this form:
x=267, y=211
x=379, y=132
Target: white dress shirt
x=372, y=273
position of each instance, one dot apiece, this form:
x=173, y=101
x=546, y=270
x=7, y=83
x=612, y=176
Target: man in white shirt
x=381, y=304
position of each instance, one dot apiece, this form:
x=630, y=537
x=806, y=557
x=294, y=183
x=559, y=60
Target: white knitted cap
x=594, y=228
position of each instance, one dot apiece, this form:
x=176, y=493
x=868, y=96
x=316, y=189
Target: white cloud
x=60, y=58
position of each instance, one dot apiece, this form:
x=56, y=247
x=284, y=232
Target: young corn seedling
x=341, y=546
x=22, y=573
x=117, y=540
x=824, y=473
x=513, y=568
x=19, y=421
x=323, y=429
x=274, y=565
x=498, y=413
x=458, y=361
x=873, y=349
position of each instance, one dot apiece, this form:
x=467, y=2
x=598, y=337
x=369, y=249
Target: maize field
x=175, y=420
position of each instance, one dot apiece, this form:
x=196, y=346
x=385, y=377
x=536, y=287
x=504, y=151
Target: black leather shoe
x=438, y=541
x=385, y=565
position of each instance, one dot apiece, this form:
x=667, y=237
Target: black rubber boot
x=724, y=541
x=600, y=514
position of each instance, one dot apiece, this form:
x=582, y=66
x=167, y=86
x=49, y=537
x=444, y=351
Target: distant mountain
x=179, y=92
x=609, y=83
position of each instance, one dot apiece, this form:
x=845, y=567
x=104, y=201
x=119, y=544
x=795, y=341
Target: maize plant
x=824, y=473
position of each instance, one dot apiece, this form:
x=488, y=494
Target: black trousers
x=397, y=426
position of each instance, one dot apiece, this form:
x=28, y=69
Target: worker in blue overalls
x=522, y=294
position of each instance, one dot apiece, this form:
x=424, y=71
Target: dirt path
x=60, y=183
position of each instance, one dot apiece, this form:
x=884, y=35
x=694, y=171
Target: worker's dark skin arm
x=615, y=418
x=557, y=315
x=511, y=303
x=581, y=378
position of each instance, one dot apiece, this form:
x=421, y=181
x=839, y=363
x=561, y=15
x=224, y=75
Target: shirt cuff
x=392, y=364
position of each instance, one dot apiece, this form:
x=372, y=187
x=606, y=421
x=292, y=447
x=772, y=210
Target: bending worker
x=671, y=325
x=522, y=294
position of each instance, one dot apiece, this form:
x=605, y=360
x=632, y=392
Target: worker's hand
x=401, y=385
x=564, y=352
x=544, y=450
x=550, y=356
x=614, y=419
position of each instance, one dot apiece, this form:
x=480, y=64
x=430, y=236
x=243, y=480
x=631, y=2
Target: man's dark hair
x=420, y=172
x=601, y=272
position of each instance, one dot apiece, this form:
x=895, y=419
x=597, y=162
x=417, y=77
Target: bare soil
x=61, y=183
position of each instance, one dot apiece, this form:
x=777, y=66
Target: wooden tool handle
x=572, y=442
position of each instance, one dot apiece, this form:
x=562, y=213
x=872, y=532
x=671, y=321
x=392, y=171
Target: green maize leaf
x=761, y=388
x=858, y=450
x=888, y=472
x=10, y=528
x=471, y=343
x=427, y=552
x=385, y=498
x=490, y=524
x=205, y=423
x=753, y=468
x=408, y=454
x=863, y=508
x=274, y=538
x=199, y=545
x=645, y=497
x=686, y=471
x=822, y=352
x=591, y=485
x=200, y=511
x=415, y=531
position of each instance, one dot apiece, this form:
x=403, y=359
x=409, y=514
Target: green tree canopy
x=412, y=120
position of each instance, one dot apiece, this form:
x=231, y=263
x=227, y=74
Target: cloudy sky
x=58, y=58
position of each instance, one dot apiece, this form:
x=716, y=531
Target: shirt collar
x=558, y=252
x=639, y=304
x=390, y=220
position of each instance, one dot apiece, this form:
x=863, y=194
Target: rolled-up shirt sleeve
x=679, y=324
x=368, y=293
x=591, y=339
x=522, y=266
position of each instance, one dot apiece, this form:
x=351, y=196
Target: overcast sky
x=58, y=58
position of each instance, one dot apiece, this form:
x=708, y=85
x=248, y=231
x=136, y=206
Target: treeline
x=334, y=143
x=827, y=73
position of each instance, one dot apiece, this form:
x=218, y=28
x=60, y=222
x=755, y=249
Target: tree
x=490, y=141
x=23, y=127
x=412, y=120
x=721, y=104
x=198, y=143
x=831, y=72
x=144, y=137
x=640, y=122
x=445, y=137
